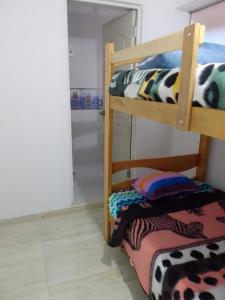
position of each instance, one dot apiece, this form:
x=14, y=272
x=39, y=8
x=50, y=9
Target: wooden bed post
x=193, y=36
x=109, y=51
x=203, y=151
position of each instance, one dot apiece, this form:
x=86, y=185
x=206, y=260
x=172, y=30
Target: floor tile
x=22, y=272
x=81, y=224
x=63, y=257
x=20, y=252
x=19, y=231
x=71, y=259
x=113, y=284
x=34, y=291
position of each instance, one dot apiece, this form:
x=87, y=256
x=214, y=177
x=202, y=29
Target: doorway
x=90, y=26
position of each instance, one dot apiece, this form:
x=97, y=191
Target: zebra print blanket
x=177, y=247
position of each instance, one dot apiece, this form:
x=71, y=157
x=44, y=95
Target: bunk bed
x=209, y=123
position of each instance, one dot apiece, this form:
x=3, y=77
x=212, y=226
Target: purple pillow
x=163, y=184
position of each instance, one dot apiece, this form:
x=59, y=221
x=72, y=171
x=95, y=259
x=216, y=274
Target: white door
x=122, y=32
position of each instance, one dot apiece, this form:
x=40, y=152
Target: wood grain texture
x=206, y=121
x=111, y=220
x=170, y=163
x=210, y=122
x=193, y=36
x=161, y=112
x=127, y=62
x=109, y=50
x=203, y=160
x=134, y=54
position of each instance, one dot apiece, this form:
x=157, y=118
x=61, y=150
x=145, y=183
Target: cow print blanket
x=177, y=246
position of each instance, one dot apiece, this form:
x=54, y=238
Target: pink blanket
x=156, y=244
x=177, y=245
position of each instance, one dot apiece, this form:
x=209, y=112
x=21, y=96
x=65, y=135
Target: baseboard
x=58, y=212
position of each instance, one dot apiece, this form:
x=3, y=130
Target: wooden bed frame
x=207, y=122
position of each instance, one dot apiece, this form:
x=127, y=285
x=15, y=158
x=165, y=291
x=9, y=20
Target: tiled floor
x=63, y=257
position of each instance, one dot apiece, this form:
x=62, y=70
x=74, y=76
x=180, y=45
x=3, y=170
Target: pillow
x=163, y=184
x=207, y=53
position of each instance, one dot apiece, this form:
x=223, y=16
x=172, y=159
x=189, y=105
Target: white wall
x=213, y=18
x=86, y=71
x=87, y=128
x=86, y=42
x=35, y=151
x=159, y=18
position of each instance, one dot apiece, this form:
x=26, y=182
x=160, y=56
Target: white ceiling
x=107, y=13
x=193, y=5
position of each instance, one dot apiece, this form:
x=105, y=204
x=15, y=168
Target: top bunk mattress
x=162, y=85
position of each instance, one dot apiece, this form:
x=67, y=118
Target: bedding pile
x=175, y=243
x=162, y=85
x=157, y=78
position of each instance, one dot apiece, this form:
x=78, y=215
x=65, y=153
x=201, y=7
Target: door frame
x=120, y=4
x=139, y=10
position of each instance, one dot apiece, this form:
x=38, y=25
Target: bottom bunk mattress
x=176, y=245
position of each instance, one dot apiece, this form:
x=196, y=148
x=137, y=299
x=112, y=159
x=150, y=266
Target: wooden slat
x=210, y=122
x=193, y=35
x=203, y=152
x=165, y=44
x=127, y=62
x=109, y=50
x=161, y=112
x=125, y=185
x=111, y=220
x=171, y=163
x=206, y=121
